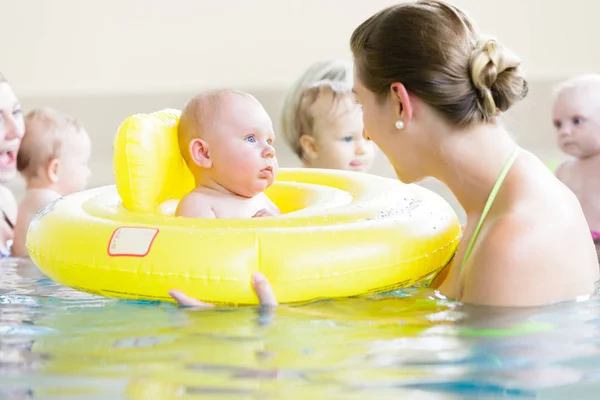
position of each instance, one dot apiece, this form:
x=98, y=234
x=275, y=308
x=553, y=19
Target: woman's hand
x=260, y=284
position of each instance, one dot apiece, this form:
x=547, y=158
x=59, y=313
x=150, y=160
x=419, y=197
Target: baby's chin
x=253, y=191
x=575, y=151
x=361, y=168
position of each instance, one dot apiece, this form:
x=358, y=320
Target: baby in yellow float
x=226, y=139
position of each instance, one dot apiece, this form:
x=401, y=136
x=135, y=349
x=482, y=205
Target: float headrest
x=148, y=166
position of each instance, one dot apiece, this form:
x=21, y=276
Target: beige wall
x=133, y=46
x=104, y=60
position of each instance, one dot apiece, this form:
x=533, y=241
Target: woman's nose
x=14, y=129
x=365, y=136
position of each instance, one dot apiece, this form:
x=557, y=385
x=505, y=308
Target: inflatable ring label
x=131, y=241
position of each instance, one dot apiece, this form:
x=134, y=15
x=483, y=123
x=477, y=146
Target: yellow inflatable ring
x=342, y=233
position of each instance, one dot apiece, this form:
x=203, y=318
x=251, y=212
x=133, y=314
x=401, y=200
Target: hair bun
x=496, y=75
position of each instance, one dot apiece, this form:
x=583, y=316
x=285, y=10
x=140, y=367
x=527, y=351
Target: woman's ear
x=404, y=104
x=199, y=153
x=52, y=170
x=309, y=148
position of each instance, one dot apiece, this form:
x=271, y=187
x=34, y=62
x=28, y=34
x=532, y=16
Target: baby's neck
x=41, y=184
x=595, y=159
x=209, y=186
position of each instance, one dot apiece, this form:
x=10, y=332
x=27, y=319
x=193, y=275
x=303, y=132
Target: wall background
x=103, y=61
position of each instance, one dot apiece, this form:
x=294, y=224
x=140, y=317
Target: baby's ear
x=309, y=148
x=52, y=170
x=199, y=153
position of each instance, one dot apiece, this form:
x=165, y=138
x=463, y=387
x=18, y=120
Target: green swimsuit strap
x=489, y=203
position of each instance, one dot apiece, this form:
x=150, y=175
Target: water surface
x=57, y=343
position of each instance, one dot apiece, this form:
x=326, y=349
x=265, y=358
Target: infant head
x=54, y=152
x=226, y=138
x=328, y=128
x=576, y=115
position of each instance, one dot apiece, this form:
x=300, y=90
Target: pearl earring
x=399, y=124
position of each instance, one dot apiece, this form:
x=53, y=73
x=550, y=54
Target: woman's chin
x=407, y=178
x=7, y=175
x=402, y=177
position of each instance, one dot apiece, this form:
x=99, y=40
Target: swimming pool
x=56, y=343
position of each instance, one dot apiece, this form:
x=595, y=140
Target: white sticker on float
x=131, y=241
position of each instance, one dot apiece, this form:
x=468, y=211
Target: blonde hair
x=305, y=113
x=434, y=50
x=46, y=130
x=335, y=70
x=578, y=82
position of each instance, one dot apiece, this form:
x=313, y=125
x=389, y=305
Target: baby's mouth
x=8, y=158
x=266, y=172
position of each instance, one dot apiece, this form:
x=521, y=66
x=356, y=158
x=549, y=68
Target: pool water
x=57, y=343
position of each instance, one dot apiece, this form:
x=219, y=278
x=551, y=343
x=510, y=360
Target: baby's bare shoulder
x=196, y=205
x=270, y=206
x=37, y=199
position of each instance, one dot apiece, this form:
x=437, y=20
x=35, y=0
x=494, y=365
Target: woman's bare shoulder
x=528, y=260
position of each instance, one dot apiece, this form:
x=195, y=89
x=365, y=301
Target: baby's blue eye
x=347, y=139
x=577, y=121
x=251, y=139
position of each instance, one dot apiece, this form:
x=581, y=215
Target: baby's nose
x=269, y=151
x=564, y=130
x=361, y=146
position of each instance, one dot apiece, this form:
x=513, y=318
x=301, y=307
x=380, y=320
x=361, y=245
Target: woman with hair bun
x=431, y=91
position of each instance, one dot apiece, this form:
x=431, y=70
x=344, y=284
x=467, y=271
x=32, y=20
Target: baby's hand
x=262, y=213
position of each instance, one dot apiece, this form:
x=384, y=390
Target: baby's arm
x=270, y=209
x=26, y=212
x=194, y=205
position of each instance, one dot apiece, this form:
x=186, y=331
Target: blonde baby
x=53, y=160
x=321, y=122
x=226, y=138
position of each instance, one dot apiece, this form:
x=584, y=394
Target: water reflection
x=59, y=343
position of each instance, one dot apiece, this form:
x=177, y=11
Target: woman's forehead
x=8, y=100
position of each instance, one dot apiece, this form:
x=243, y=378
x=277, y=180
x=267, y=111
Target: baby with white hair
x=576, y=117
